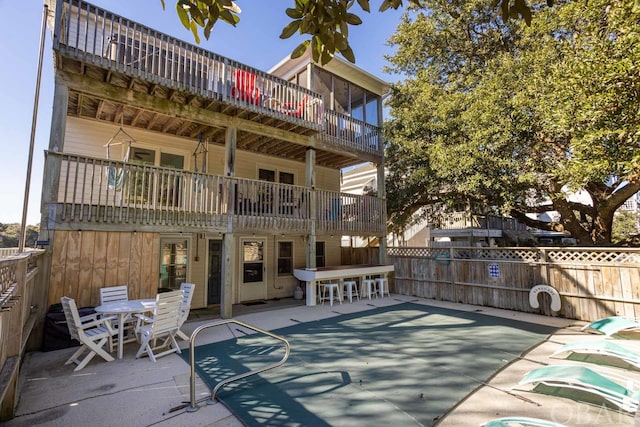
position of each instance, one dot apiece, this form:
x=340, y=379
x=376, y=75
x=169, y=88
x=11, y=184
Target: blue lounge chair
x=520, y=421
x=613, y=325
x=602, y=347
x=585, y=379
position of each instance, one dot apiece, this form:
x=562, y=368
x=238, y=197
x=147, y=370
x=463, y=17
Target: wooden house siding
x=88, y=138
x=85, y=261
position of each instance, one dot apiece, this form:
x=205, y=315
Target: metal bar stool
x=334, y=293
x=383, y=286
x=351, y=289
x=369, y=288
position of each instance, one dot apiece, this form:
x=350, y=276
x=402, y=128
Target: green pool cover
x=402, y=365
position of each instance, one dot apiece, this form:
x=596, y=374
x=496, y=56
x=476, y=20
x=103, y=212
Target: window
x=266, y=175
x=174, y=256
x=252, y=259
x=320, y=261
x=143, y=181
x=285, y=178
x=371, y=111
x=285, y=258
x=270, y=175
x=357, y=102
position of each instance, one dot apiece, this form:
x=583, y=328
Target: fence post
x=453, y=274
x=544, y=270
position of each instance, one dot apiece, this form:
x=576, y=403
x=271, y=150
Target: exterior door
x=214, y=280
x=174, y=255
x=253, y=285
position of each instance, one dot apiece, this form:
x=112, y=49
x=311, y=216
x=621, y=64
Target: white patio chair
x=115, y=294
x=162, y=327
x=187, y=291
x=91, y=331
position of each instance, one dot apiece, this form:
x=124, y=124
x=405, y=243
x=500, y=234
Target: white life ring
x=555, y=296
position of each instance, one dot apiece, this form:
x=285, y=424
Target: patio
x=139, y=393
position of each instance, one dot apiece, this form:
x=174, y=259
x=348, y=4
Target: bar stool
x=331, y=287
x=370, y=287
x=383, y=286
x=351, y=288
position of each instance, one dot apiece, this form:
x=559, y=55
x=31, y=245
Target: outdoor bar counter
x=337, y=272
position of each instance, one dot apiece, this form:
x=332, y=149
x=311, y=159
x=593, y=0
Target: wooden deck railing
x=94, y=190
x=18, y=301
x=345, y=213
x=459, y=220
x=353, y=133
x=96, y=36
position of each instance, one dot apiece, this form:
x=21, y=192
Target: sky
x=254, y=41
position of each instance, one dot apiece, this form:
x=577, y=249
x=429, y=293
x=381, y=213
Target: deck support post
x=229, y=254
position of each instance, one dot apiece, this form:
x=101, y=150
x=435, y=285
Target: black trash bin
x=56, y=333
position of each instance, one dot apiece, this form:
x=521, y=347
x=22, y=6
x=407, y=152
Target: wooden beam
x=194, y=133
x=185, y=125
x=79, y=105
x=168, y=125
x=165, y=106
x=153, y=120
x=99, y=109
x=137, y=116
x=119, y=114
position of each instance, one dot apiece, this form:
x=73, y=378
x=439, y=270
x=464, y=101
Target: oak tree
x=517, y=117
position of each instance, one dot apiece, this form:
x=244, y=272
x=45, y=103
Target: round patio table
x=124, y=309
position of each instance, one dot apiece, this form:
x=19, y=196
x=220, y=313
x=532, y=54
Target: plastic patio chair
x=187, y=291
x=245, y=87
x=601, y=347
x=293, y=108
x=585, y=379
x=612, y=325
x=162, y=326
x=520, y=421
x=91, y=331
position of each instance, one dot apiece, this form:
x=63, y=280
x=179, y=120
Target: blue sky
x=254, y=42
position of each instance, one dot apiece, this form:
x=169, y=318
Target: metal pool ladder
x=192, y=344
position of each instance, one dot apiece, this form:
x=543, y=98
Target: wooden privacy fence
x=592, y=282
x=19, y=300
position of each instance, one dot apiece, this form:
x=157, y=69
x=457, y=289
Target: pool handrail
x=193, y=404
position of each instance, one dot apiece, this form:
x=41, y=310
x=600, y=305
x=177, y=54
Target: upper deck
x=120, y=71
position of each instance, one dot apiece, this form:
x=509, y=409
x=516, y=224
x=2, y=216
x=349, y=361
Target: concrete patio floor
x=136, y=392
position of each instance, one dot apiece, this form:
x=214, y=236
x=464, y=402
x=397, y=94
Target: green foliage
x=625, y=227
x=504, y=114
x=10, y=235
x=325, y=21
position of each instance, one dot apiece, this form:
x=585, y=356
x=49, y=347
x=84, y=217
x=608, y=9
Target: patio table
x=124, y=309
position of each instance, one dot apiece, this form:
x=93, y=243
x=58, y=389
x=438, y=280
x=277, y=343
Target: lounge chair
x=520, y=421
x=613, y=325
x=585, y=379
x=601, y=347
x=245, y=87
